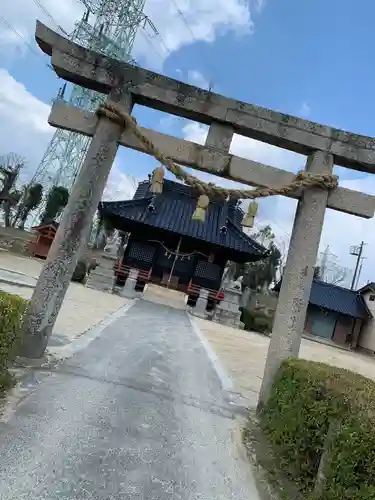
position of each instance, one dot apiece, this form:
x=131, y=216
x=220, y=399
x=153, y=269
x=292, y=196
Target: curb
x=14, y=281
x=20, y=284
x=16, y=272
x=226, y=382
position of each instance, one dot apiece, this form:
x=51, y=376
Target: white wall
x=367, y=336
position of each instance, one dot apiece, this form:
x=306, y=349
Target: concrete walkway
x=139, y=413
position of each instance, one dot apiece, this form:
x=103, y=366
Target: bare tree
x=32, y=197
x=10, y=167
x=330, y=271
x=336, y=274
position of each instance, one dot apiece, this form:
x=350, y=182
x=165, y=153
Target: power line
x=39, y=4
x=149, y=39
x=26, y=43
x=182, y=15
x=157, y=34
x=188, y=27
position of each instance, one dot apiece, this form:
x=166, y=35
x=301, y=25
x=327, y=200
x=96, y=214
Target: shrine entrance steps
x=165, y=296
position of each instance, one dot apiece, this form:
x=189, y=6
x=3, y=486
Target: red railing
x=124, y=271
x=144, y=276
x=217, y=295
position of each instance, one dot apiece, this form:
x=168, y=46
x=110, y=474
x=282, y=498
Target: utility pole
x=357, y=251
x=359, y=272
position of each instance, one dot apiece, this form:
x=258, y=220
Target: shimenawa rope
x=302, y=180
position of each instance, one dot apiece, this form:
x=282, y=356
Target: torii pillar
x=72, y=233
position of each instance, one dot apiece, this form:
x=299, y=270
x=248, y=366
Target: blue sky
x=309, y=58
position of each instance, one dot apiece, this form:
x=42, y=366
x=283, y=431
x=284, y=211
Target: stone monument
x=103, y=277
x=228, y=312
x=112, y=247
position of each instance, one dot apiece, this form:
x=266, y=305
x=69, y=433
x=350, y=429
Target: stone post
x=73, y=232
x=298, y=274
x=130, y=284
x=201, y=305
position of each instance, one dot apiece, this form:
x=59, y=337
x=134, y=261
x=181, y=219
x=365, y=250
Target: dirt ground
x=244, y=354
x=82, y=308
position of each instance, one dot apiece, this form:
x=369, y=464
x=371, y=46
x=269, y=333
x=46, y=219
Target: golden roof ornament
x=201, y=208
x=248, y=220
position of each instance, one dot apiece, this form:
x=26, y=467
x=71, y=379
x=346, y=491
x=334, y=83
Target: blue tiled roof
x=370, y=287
x=173, y=212
x=336, y=298
x=339, y=299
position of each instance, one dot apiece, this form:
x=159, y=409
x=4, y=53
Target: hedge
x=309, y=399
x=256, y=321
x=12, y=308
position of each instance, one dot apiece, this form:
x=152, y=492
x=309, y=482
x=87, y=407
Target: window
x=371, y=298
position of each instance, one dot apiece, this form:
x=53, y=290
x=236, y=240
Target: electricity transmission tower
x=108, y=27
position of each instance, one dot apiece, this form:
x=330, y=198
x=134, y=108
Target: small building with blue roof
x=338, y=314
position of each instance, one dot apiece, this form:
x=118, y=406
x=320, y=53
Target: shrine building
x=169, y=248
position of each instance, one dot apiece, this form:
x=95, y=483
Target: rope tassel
x=157, y=180
x=201, y=208
x=248, y=220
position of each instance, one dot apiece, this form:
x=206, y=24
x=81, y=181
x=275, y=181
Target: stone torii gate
x=126, y=85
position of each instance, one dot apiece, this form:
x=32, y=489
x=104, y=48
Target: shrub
x=262, y=324
x=12, y=309
x=307, y=400
x=83, y=268
x=256, y=321
x=6, y=381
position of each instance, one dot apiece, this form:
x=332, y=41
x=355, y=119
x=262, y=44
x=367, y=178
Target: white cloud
x=259, y=5
x=120, y=186
x=305, y=110
x=21, y=16
x=178, y=22
x=249, y=148
x=25, y=131
x=23, y=126
x=196, y=78
x=183, y=22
